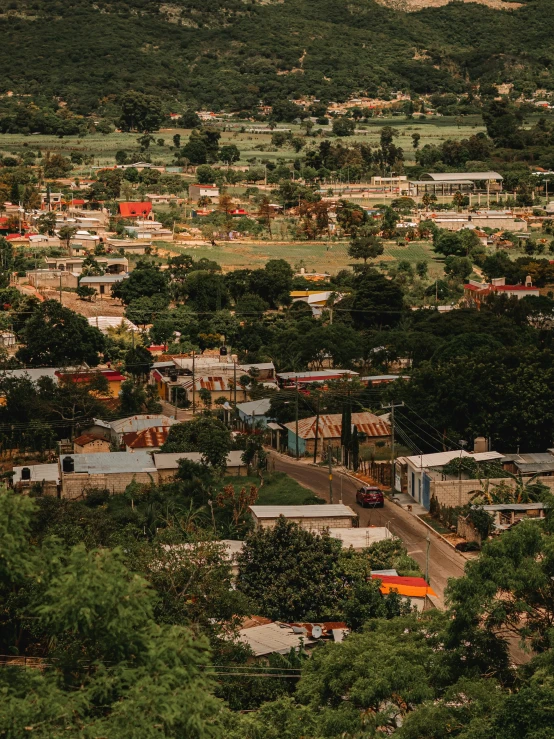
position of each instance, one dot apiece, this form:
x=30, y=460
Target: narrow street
x=444, y=562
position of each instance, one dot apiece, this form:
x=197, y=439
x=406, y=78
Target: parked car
x=370, y=496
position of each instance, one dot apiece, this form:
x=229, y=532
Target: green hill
x=232, y=54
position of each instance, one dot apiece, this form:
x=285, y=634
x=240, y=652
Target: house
x=254, y=414
x=360, y=538
x=137, y=423
x=287, y=380
x=475, y=292
x=152, y=438
x=105, y=323
x=102, y=284
x=167, y=464
x=230, y=550
x=415, y=474
x=69, y=264
x=112, y=377
x=131, y=246
x=372, y=430
x=310, y=517
x=197, y=191
x=135, y=210
x=505, y=515
x=316, y=299
x=536, y=463
x=415, y=590
x=46, y=477
x=112, y=471
x=90, y=444
x=273, y=638
x=52, y=279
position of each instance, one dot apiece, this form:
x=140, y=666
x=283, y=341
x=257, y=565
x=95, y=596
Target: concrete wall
x=76, y=484
x=51, y=279
x=453, y=493
x=169, y=475
x=311, y=524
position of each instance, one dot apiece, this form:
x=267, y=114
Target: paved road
x=444, y=562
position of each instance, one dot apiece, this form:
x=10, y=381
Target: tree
x=144, y=281
x=458, y=267
x=289, y=573
x=85, y=292
x=56, y=165
x=121, y=157
x=416, y=137
x=343, y=126
x=47, y=223
x=140, y=112
x=376, y=301
x=55, y=336
x=66, y=233
x=190, y=119
x=204, y=434
x=365, y=247
x=138, y=362
x=229, y=154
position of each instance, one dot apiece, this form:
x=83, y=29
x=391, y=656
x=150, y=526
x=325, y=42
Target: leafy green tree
x=229, y=154
x=365, y=247
x=144, y=281
x=138, y=362
x=290, y=573
x=140, y=112
x=204, y=434
x=343, y=126
x=458, y=267
x=55, y=336
x=47, y=223
x=85, y=292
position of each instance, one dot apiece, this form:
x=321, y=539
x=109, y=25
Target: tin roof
x=303, y=511
x=274, y=638
x=258, y=408
x=102, y=279
x=170, y=460
x=39, y=473
x=439, y=459
x=87, y=439
x=112, y=462
x=150, y=438
x=329, y=426
x=140, y=422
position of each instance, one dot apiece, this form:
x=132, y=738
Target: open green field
x=314, y=257
x=278, y=489
x=251, y=145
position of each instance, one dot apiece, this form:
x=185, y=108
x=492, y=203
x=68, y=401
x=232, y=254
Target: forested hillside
x=231, y=54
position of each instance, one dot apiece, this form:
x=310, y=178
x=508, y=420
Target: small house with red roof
x=136, y=210
x=415, y=590
x=475, y=292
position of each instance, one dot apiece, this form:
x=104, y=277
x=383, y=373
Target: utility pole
x=316, y=431
x=193, y=385
x=61, y=289
x=392, y=405
x=235, y=380
x=296, y=419
x=427, y=559
x=330, y=453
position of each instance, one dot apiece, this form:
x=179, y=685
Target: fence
x=380, y=472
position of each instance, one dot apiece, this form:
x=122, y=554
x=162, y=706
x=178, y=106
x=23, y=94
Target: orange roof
x=87, y=439
x=127, y=210
x=412, y=587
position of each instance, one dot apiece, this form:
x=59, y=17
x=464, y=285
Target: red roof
x=205, y=187
x=135, y=209
x=513, y=287
x=77, y=202
x=87, y=439
x=12, y=237
x=110, y=375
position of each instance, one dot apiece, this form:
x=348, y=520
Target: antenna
x=317, y=631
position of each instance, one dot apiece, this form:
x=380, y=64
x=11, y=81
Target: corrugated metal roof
x=39, y=473
x=256, y=407
x=211, y=383
x=302, y=511
x=151, y=438
x=102, y=279
x=272, y=638
x=420, y=461
x=112, y=462
x=454, y=176
x=513, y=507
x=140, y=422
x=362, y=537
x=170, y=460
x=330, y=426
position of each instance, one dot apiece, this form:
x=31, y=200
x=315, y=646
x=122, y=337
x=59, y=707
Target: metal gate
x=426, y=491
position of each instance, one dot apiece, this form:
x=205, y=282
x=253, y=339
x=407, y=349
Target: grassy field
x=314, y=257
x=278, y=489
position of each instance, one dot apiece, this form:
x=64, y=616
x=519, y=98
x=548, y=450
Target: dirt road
x=444, y=562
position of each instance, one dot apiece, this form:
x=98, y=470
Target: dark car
x=369, y=496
